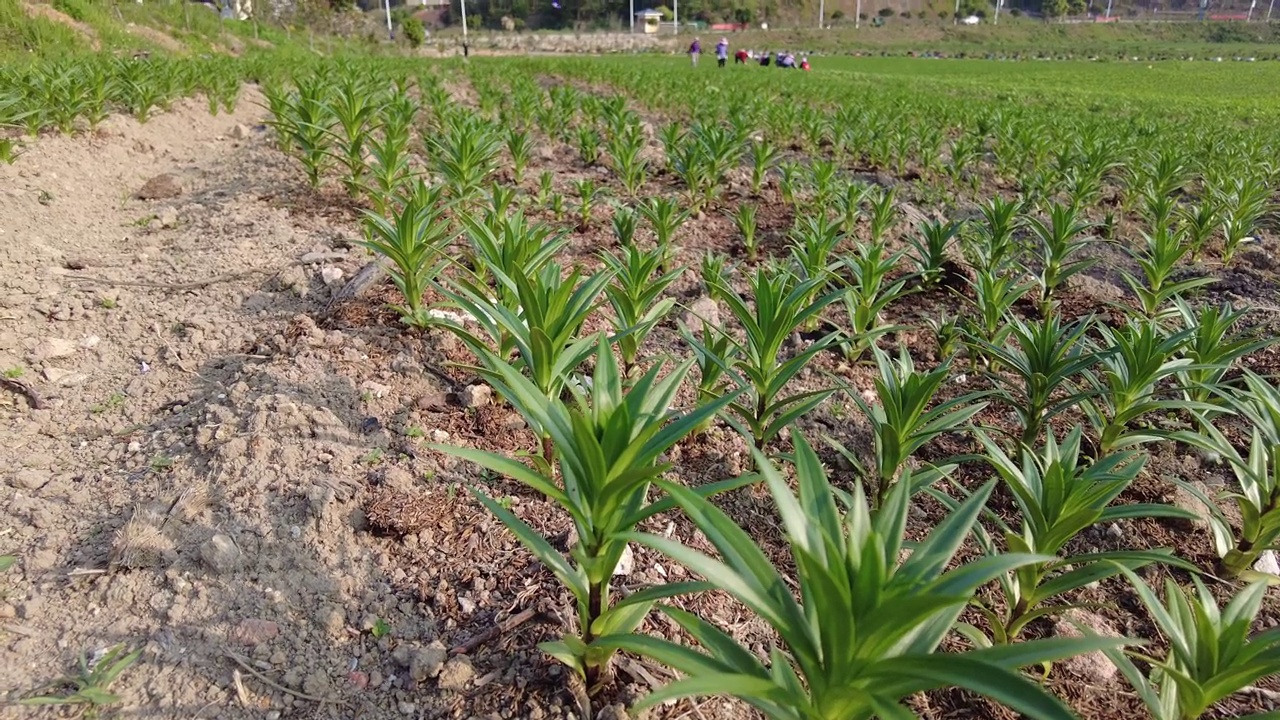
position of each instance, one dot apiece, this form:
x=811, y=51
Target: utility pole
x=857, y=15
x=675, y=17
x=1269, y=7
x=955, y=17
x=822, y=12
x=391, y=34
x=633, y=17
x=1252, y=5
x=999, y=4
x=466, y=51
x=1108, y=9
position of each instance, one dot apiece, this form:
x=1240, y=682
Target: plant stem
x=548, y=450
x=595, y=607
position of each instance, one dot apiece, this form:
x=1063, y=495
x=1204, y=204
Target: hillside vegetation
x=74, y=26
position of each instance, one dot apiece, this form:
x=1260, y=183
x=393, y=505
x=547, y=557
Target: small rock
x=1266, y=563
x=476, y=396
x=240, y=132
x=317, y=683
x=254, y=631
x=30, y=479
x=427, y=662
x=375, y=679
x=1181, y=498
x=7, y=611
x=167, y=217
x=434, y=401
x=160, y=187
x=466, y=605
x=31, y=608
x=318, y=498
x=438, y=436
x=1114, y=531
x=53, y=348
x=617, y=711
x=377, y=390
x=397, y=478
x=407, y=708
x=220, y=553
x=403, y=654
x=626, y=563
x=1094, y=666
x=704, y=308
x=359, y=679
x=456, y=674
x=65, y=378
x=331, y=275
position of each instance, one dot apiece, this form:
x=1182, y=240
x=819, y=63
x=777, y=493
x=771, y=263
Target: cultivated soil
x=227, y=470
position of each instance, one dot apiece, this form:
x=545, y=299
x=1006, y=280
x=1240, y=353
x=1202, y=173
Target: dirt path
x=209, y=467
x=176, y=493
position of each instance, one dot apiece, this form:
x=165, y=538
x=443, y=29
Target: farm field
x=524, y=388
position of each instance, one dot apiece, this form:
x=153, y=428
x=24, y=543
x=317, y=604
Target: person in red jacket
x=804, y=63
x=741, y=57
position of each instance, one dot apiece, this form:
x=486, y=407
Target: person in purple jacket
x=722, y=51
x=695, y=50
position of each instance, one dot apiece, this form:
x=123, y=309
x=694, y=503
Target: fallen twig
x=505, y=626
x=175, y=287
x=21, y=388
x=244, y=665
x=198, y=284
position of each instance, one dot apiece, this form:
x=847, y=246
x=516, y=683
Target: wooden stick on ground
x=244, y=665
x=505, y=626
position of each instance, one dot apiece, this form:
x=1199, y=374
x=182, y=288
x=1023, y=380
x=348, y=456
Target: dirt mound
x=157, y=37
x=36, y=10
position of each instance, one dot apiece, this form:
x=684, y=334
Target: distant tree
x=1057, y=8
x=1077, y=7
x=885, y=12
x=414, y=31
x=744, y=15
x=837, y=15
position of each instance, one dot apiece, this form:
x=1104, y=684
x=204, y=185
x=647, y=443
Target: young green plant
x=608, y=444
x=1213, y=652
x=860, y=633
x=635, y=294
x=1059, y=495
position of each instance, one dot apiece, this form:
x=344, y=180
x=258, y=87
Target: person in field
x=804, y=63
x=722, y=51
x=695, y=49
x=764, y=59
x=741, y=57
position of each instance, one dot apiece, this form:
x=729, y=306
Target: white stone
x=52, y=348
x=626, y=563
x=1266, y=563
x=66, y=378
